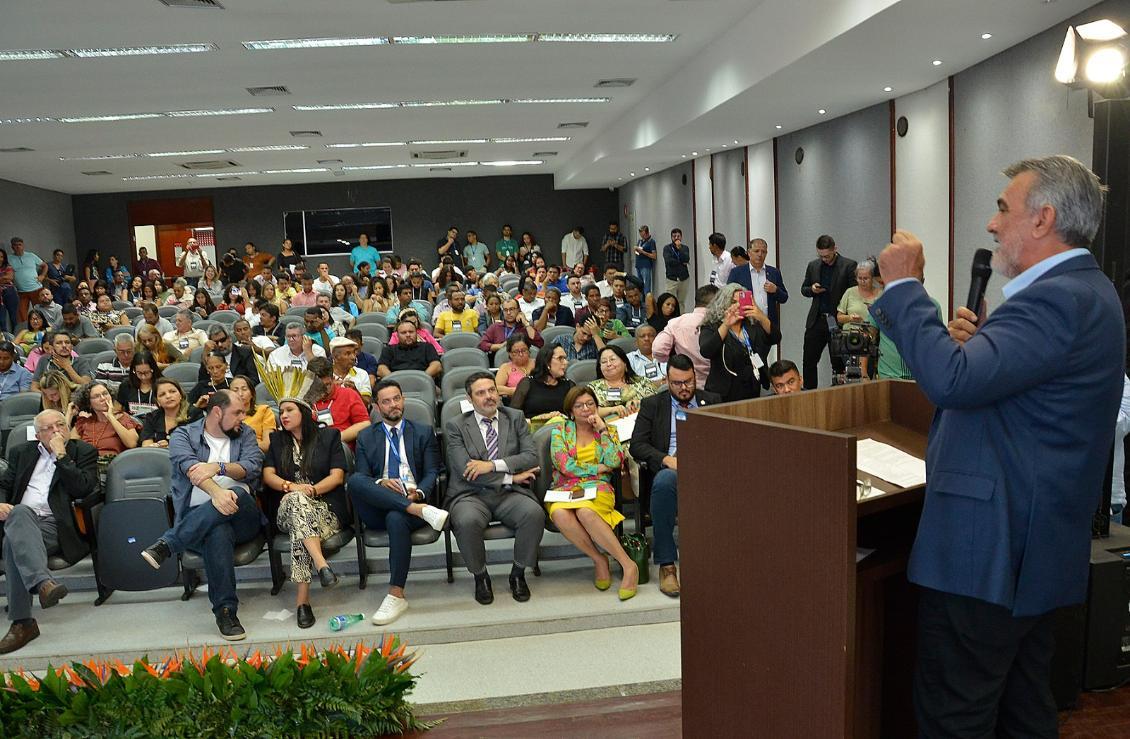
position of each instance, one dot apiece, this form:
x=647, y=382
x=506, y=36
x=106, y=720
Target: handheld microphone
x=979, y=279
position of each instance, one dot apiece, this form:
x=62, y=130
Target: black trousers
x=981, y=672
x=816, y=339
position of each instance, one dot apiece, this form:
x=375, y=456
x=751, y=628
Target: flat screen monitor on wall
x=336, y=230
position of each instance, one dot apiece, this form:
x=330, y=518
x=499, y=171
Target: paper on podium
x=566, y=496
x=888, y=463
x=625, y=426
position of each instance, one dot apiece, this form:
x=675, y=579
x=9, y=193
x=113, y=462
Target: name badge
x=614, y=394
x=183, y=343
x=296, y=363
x=651, y=371
x=456, y=326
x=635, y=321
x=140, y=409
x=680, y=414
x=713, y=276
x=228, y=374
x=325, y=417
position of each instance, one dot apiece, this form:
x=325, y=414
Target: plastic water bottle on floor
x=337, y=623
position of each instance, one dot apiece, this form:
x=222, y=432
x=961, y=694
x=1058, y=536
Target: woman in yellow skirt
x=585, y=453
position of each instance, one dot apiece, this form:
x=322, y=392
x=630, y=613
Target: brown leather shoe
x=669, y=581
x=18, y=636
x=50, y=593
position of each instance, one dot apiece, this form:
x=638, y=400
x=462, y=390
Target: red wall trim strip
x=952, y=175
x=745, y=176
x=893, y=136
x=694, y=219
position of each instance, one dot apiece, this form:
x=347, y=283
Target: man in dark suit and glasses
x=37, y=489
x=1026, y=405
x=825, y=281
x=491, y=458
x=394, y=488
x=654, y=447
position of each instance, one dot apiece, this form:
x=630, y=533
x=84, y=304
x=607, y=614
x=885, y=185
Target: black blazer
x=76, y=476
x=328, y=454
x=241, y=362
x=651, y=437
x=843, y=277
x=731, y=371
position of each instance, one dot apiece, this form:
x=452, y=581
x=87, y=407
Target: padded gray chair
x=376, y=330
x=625, y=343
x=168, y=311
x=134, y=314
x=93, y=346
x=205, y=325
x=460, y=340
x=502, y=356
x=372, y=345
x=552, y=332
x=296, y=310
x=464, y=357
x=18, y=409
x=417, y=384
x=289, y=319
x=17, y=436
x=418, y=411
x=582, y=372
x=225, y=317
x=136, y=511
x=453, y=381
x=88, y=363
x=121, y=305
x=113, y=333
x=262, y=395
x=373, y=319
x=452, y=409
x=183, y=372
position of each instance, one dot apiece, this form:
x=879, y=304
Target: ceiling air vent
x=574, y=124
x=306, y=134
x=616, y=82
x=543, y=154
x=440, y=156
x=227, y=179
x=268, y=90
x=97, y=172
x=439, y=169
x=15, y=150
x=212, y=4
x=210, y=164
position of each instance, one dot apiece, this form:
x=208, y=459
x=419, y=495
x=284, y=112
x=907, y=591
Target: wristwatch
x=223, y=469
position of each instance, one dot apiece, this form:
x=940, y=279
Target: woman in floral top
x=586, y=452
x=618, y=389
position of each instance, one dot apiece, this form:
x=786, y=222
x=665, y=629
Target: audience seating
x=263, y=396
x=226, y=317
x=93, y=346
x=416, y=411
x=460, y=340
x=120, y=305
x=624, y=342
x=183, y=372
x=87, y=364
x=136, y=510
x=453, y=380
x=205, y=324
x=372, y=345
x=18, y=409
x=582, y=372
x=552, y=332
x=113, y=333
x=17, y=435
x=168, y=311
x=452, y=408
x=134, y=314
x=377, y=331
x=196, y=355
x=502, y=356
x=464, y=357
x=288, y=319
x=416, y=384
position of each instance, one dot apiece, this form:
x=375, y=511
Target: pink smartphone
x=745, y=299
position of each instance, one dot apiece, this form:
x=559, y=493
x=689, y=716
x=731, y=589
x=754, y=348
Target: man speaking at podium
x=1026, y=402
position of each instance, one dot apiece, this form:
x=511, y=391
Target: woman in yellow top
x=618, y=389
x=585, y=452
x=261, y=418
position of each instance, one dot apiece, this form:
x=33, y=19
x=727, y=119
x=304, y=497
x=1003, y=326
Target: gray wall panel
x=661, y=202
x=42, y=218
x=842, y=188
x=729, y=197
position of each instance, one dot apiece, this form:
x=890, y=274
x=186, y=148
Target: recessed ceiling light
x=986, y=36
x=314, y=43
x=140, y=51
x=821, y=111
x=167, y=114
x=511, y=162
x=346, y=106
x=724, y=146
x=609, y=38
x=226, y=174
x=684, y=156
x=694, y=153
x=888, y=88
x=448, y=103
x=32, y=119
x=708, y=148
x=937, y=62
x=138, y=178
x=22, y=55
x=735, y=141
x=530, y=140
x=217, y=112
x=778, y=126
x=360, y=168
x=647, y=169
x=619, y=179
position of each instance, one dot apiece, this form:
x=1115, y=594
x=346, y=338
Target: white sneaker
x=390, y=610
x=436, y=517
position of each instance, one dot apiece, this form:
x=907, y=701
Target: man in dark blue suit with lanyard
x=1026, y=402
x=394, y=487
x=766, y=284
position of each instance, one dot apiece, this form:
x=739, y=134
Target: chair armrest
x=84, y=510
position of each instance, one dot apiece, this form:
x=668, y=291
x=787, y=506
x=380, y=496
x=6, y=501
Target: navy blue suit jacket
x=744, y=277
x=423, y=456
x=1021, y=437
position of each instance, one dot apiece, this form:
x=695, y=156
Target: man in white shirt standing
x=574, y=248
x=36, y=490
x=723, y=263
x=298, y=350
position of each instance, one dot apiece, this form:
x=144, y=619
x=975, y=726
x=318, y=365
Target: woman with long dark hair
x=666, y=308
x=32, y=336
x=137, y=394
x=306, y=465
x=202, y=304
x=91, y=270
x=172, y=410
x=541, y=396
x=618, y=388
x=114, y=267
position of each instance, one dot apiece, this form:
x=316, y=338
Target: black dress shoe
x=328, y=578
x=519, y=589
x=483, y=592
x=305, y=616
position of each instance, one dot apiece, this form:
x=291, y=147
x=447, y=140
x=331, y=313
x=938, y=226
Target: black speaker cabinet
x=1107, y=639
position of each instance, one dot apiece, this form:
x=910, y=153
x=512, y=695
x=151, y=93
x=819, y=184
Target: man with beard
x=408, y=354
x=217, y=465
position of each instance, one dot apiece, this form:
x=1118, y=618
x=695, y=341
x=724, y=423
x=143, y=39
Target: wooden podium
x=783, y=633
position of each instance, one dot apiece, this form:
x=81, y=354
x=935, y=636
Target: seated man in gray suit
x=491, y=459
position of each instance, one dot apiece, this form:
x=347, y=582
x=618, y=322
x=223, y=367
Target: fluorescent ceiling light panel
x=530, y=139
x=346, y=106
x=23, y=55
x=447, y=164
x=365, y=144
x=109, y=117
x=184, y=153
x=276, y=147
x=99, y=157
x=373, y=166
x=138, y=178
x=217, y=112
x=509, y=38
x=302, y=170
x=33, y=119
x=511, y=162
x=535, y=101
x=446, y=103
x=223, y=174
x=430, y=142
x=609, y=38
x=315, y=43
x=140, y=51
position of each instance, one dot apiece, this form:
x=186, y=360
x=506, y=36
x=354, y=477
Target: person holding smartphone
x=734, y=335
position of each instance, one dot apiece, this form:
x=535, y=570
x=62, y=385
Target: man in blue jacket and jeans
x=1026, y=405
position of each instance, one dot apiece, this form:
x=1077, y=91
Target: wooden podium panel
x=774, y=642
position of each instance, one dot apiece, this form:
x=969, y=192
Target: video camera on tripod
x=850, y=342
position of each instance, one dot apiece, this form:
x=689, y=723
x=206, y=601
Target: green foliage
x=358, y=694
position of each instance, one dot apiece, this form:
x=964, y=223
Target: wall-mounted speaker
x=742, y=167
x=901, y=126
x=684, y=180
x=799, y=155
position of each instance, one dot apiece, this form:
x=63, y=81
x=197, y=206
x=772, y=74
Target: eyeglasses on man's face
x=681, y=383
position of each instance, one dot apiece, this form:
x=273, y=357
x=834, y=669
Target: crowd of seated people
x=239, y=462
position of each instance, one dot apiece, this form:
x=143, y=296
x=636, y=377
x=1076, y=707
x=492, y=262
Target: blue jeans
x=213, y=535
x=645, y=270
x=386, y=510
x=664, y=511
